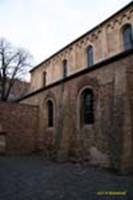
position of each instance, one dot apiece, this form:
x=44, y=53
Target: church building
x=84, y=95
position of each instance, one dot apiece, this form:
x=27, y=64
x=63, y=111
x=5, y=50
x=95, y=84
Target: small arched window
x=64, y=68
x=127, y=36
x=90, y=56
x=50, y=113
x=87, y=107
x=44, y=79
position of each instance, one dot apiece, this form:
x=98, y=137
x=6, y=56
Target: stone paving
x=34, y=178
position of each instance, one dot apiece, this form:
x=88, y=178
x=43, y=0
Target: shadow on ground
x=34, y=178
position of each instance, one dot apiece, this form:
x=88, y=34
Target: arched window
x=50, y=113
x=127, y=36
x=90, y=56
x=87, y=107
x=64, y=68
x=44, y=79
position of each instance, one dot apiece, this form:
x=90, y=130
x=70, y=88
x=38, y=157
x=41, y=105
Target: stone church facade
x=84, y=96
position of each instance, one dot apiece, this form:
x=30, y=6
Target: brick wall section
x=19, y=124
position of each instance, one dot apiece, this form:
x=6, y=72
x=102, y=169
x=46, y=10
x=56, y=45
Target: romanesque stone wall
x=128, y=136
x=18, y=128
x=106, y=40
x=103, y=143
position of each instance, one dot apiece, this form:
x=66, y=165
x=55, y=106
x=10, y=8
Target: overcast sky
x=45, y=26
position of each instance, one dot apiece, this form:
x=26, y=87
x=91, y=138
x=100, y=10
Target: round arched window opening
x=50, y=108
x=87, y=107
x=65, y=68
x=90, y=55
x=127, y=36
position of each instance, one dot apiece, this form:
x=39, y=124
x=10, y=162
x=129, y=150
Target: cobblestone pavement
x=33, y=178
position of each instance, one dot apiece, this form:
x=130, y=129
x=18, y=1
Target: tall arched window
x=50, y=113
x=44, y=79
x=87, y=107
x=64, y=68
x=90, y=56
x=127, y=36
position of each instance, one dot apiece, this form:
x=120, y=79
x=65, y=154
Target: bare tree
x=14, y=65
